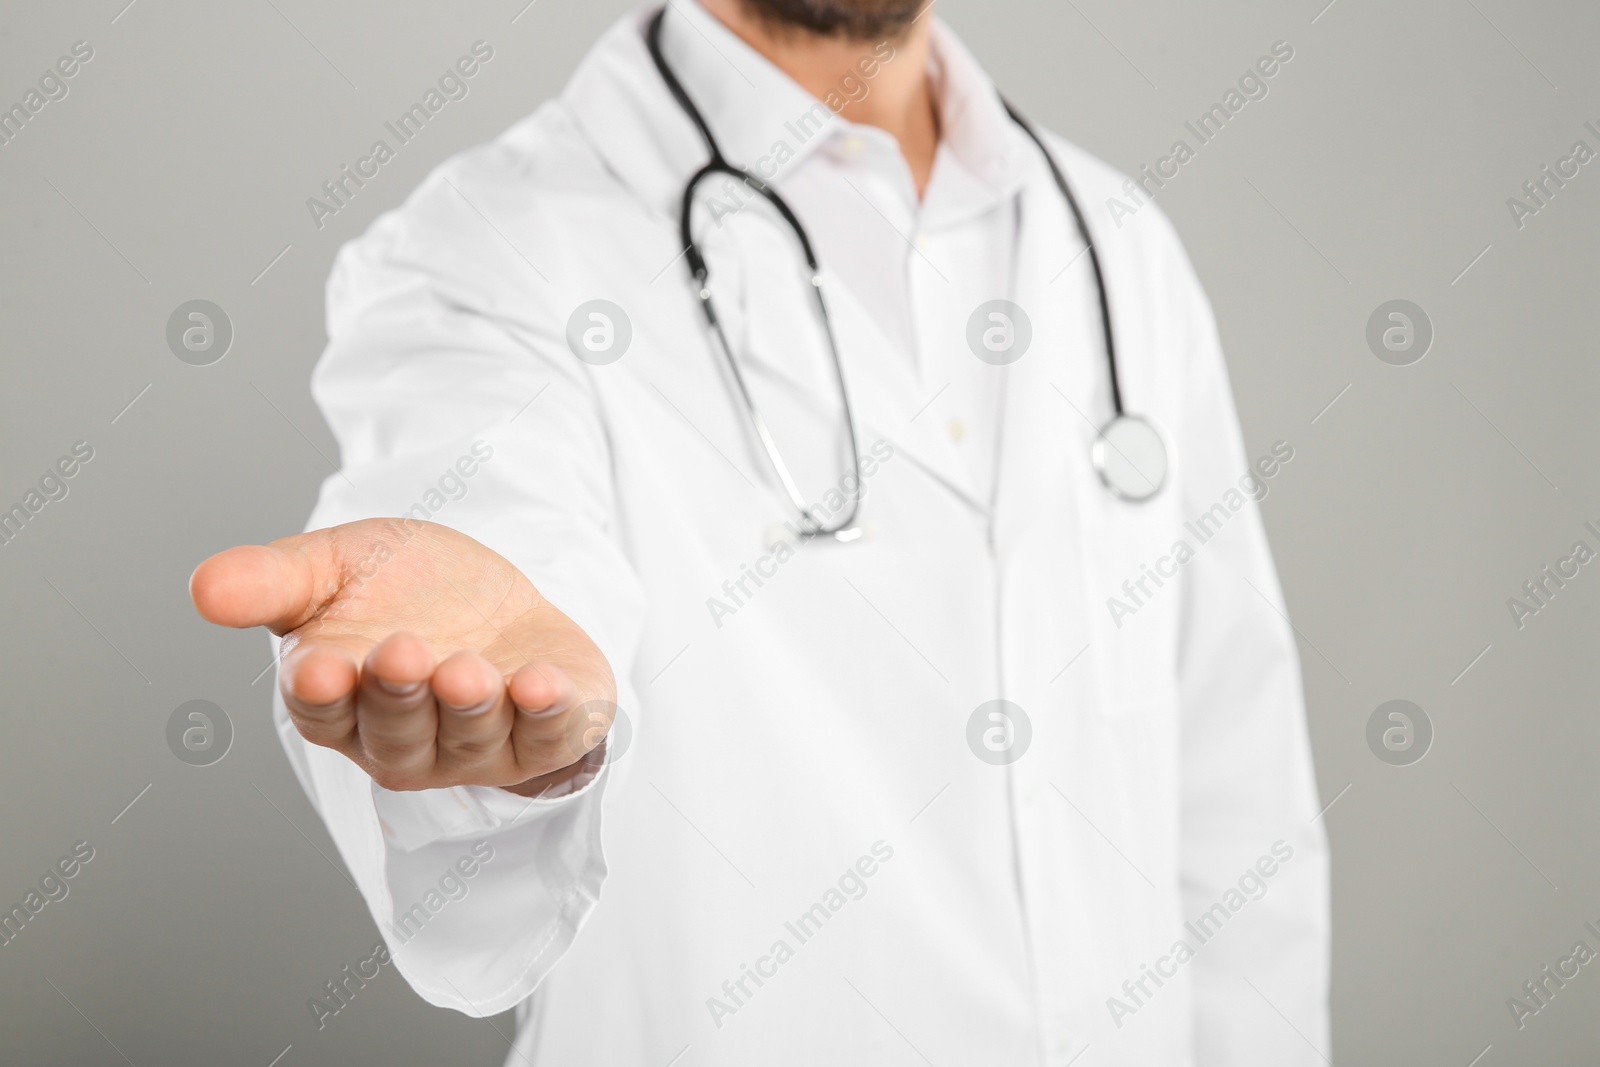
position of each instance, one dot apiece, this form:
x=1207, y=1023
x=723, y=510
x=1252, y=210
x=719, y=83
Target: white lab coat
x=821, y=727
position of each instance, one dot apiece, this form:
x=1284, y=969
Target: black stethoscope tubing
x=718, y=164
x=1094, y=256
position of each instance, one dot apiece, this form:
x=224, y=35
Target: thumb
x=261, y=585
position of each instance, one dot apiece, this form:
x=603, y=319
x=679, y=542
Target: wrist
x=568, y=779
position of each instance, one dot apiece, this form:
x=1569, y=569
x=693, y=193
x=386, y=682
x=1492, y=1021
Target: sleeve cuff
x=418, y=818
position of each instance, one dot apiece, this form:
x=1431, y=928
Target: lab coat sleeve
x=1261, y=986
x=443, y=399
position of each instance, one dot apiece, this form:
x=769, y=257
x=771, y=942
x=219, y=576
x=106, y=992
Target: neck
x=895, y=97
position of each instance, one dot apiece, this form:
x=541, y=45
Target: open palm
x=420, y=654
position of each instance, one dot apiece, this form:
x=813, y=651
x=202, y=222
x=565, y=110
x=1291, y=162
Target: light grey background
x=1377, y=168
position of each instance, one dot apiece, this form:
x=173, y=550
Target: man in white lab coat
x=1016, y=776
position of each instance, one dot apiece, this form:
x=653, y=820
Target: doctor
x=798, y=678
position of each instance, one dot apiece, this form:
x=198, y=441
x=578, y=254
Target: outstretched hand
x=420, y=654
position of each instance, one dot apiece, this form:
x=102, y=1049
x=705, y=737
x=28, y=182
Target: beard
x=857, y=20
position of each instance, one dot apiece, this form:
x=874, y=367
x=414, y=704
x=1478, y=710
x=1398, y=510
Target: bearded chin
x=860, y=20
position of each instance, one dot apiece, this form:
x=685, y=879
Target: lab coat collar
x=653, y=148
x=625, y=111
x=995, y=158
x=752, y=108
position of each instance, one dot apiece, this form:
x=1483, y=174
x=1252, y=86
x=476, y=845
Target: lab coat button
x=778, y=533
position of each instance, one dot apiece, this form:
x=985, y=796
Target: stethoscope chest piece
x=1131, y=458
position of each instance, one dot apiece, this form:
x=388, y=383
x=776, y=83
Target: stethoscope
x=1128, y=452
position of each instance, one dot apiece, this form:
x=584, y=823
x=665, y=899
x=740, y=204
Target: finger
x=318, y=680
x=545, y=735
x=475, y=714
x=396, y=715
x=276, y=585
